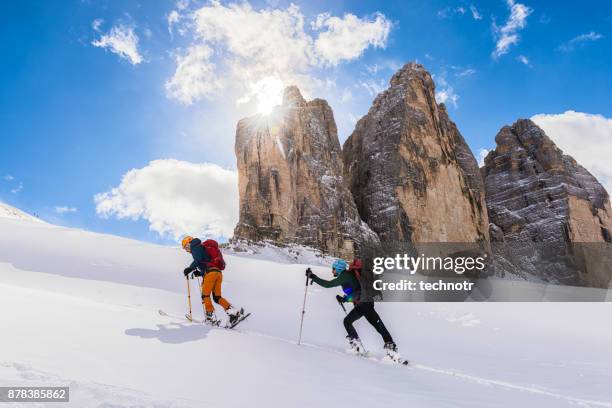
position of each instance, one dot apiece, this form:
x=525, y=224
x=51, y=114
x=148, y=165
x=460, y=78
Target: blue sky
x=77, y=111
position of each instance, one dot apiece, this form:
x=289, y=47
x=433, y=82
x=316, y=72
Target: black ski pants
x=365, y=309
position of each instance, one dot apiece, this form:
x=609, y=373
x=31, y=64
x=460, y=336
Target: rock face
x=411, y=173
x=291, y=183
x=536, y=194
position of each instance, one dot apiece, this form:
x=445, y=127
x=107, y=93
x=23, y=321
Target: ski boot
x=234, y=314
x=392, y=353
x=210, y=319
x=355, y=346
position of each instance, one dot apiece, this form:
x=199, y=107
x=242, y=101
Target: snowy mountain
x=6, y=211
x=81, y=309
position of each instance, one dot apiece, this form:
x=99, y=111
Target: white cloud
x=96, y=24
x=176, y=197
x=446, y=94
x=65, y=209
x=475, y=13
x=373, y=87
x=508, y=34
x=585, y=137
x=268, y=92
x=172, y=19
x=444, y=12
x=466, y=72
x=482, y=154
x=523, y=60
x=17, y=189
x=382, y=65
x=121, y=40
x=449, y=12
x=195, y=77
x=373, y=69
x=270, y=42
x=8, y=177
x=579, y=40
x=346, y=38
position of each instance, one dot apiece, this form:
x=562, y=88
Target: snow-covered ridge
x=285, y=254
x=7, y=211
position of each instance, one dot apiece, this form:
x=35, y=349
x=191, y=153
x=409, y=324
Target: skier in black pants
x=349, y=281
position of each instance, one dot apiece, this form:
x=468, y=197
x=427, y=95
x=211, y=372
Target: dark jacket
x=200, y=257
x=349, y=282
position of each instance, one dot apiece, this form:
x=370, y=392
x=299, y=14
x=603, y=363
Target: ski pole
x=189, y=297
x=341, y=303
x=202, y=295
x=303, y=307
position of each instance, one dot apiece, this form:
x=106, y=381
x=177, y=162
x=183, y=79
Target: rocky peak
x=291, y=184
x=411, y=173
x=536, y=194
x=410, y=72
x=292, y=97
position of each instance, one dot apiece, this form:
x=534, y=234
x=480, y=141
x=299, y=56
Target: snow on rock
x=272, y=251
x=291, y=184
x=411, y=173
x=538, y=197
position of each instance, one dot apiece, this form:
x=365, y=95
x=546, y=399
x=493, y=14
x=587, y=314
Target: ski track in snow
x=447, y=372
x=507, y=385
x=88, y=319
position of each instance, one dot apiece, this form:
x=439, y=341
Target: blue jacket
x=200, y=257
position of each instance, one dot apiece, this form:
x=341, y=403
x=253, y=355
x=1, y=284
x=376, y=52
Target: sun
x=269, y=94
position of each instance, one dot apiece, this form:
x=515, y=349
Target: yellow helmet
x=186, y=241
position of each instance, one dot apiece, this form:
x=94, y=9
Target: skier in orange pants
x=208, y=262
x=212, y=284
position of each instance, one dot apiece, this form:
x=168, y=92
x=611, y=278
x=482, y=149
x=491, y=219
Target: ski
x=191, y=319
x=243, y=317
x=386, y=359
x=186, y=317
x=396, y=360
x=399, y=361
x=216, y=324
x=363, y=354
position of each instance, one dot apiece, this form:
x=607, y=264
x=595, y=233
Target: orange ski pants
x=211, y=284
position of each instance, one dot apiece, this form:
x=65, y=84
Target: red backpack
x=355, y=267
x=214, y=253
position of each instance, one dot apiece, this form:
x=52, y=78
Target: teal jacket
x=349, y=282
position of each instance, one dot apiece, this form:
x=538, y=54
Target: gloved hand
x=340, y=299
x=198, y=272
x=187, y=271
x=309, y=276
x=310, y=273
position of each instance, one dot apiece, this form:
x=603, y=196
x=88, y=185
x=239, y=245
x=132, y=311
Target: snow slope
x=7, y=211
x=80, y=309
